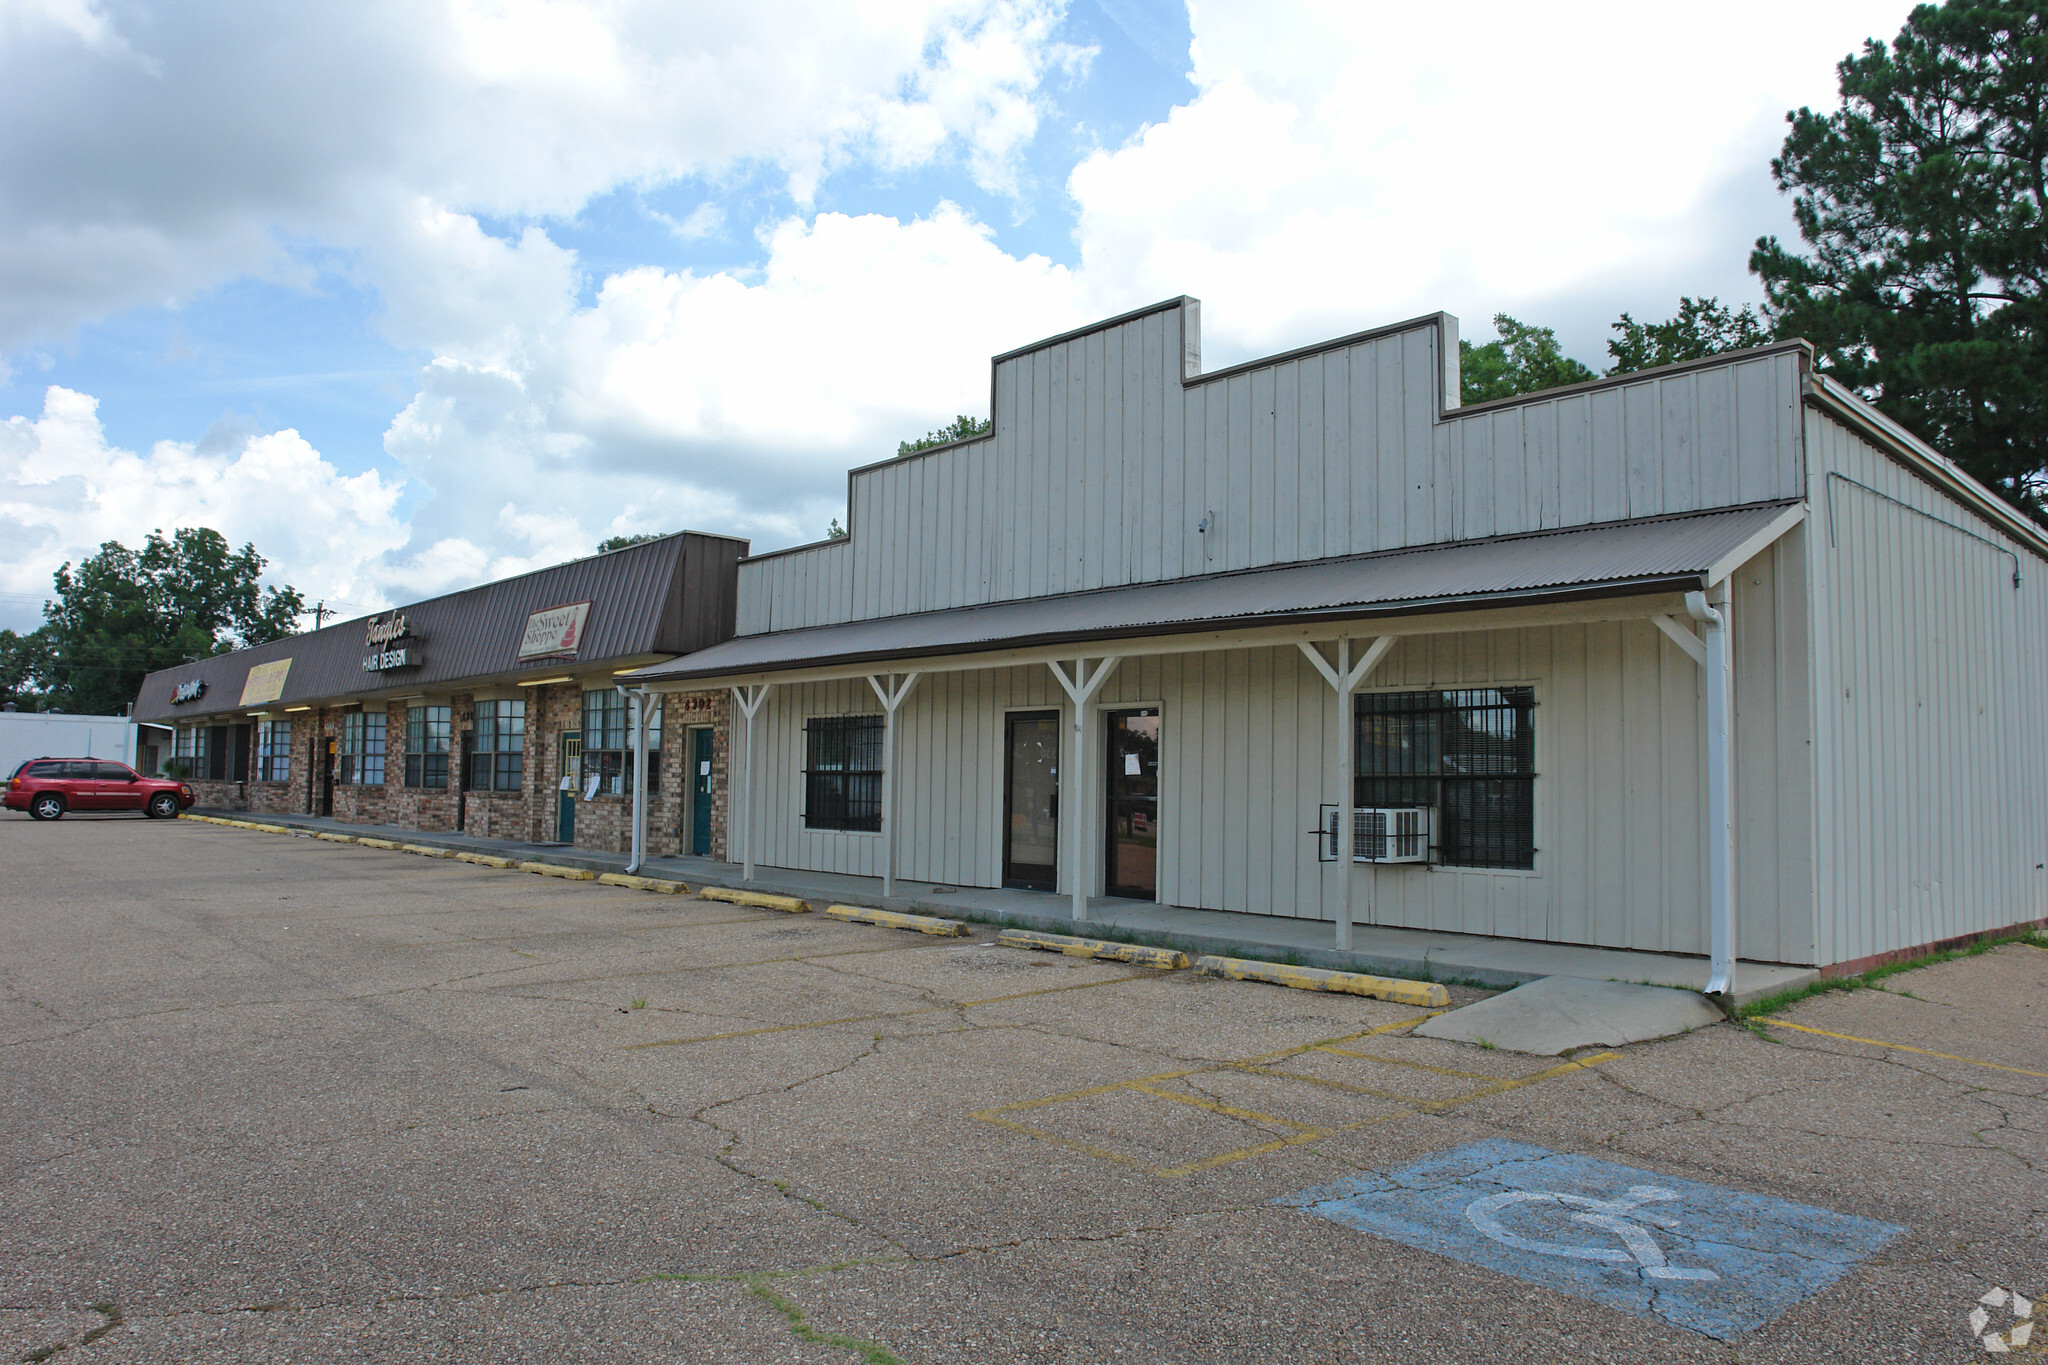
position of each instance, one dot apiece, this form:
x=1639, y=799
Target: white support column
x=1718, y=650
x=892, y=697
x=637, y=700
x=1076, y=787
x=750, y=699
x=1345, y=679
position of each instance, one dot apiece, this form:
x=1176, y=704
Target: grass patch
x=761, y=1285
x=1778, y=1000
x=639, y=1002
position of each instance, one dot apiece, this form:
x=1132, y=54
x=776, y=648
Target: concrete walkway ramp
x=1559, y=1013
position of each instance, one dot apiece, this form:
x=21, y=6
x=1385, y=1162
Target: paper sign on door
x=1131, y=765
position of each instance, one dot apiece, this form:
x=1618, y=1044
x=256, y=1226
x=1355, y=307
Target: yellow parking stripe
x=1901, y=1047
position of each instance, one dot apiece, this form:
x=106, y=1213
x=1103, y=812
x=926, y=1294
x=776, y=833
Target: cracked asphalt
x=273, y=1099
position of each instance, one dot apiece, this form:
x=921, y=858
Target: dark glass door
x=572, y=773
x=1031, y=799
x=702, y=755
x=1133, y=842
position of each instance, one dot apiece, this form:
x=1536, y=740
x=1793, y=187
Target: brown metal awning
x=1651, y=555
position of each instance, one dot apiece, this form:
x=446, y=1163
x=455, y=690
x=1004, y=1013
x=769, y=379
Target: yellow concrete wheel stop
x=1426, y=994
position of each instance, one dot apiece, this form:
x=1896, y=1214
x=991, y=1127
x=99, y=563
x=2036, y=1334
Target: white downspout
x=638, y=701
x=1720, y=790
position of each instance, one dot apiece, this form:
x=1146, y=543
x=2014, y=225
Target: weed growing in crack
x=760, y=1285
x=1771, y=1004
x=639, y=1002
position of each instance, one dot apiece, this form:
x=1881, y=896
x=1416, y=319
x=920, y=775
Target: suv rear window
x=45, y=769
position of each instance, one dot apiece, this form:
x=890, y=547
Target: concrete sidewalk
x=1378, y=949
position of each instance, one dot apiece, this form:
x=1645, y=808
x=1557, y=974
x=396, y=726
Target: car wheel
x=162, y=806
x=46, y=807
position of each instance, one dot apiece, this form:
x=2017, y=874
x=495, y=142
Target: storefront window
x=362, y=749
x=497, y=760
x=426, y=746
x=608, y=743
x=843, y=773
x=273, y=750
x=190, y=752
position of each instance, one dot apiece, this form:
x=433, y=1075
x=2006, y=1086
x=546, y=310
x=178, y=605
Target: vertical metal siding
x=1103, y=462
x=1247, y=757
x=1932, y=804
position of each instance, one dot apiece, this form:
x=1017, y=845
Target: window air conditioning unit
x=1383, y=834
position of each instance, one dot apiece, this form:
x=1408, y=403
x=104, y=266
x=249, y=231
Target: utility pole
x=321, y=611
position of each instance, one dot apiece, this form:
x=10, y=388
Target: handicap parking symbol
x=1717, y=1261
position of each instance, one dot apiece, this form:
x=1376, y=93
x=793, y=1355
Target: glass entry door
x=1133, y=842
x=1031, y=799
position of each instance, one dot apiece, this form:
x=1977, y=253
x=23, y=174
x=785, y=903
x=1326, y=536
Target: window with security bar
x=1469, y=753
x=843, y=773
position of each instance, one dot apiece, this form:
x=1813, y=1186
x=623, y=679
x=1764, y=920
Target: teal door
x=572, y=773
x=701, y=755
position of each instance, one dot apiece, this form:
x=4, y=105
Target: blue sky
x=412, y=295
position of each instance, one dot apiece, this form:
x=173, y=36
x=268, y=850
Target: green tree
x=24, y=667
x=123, y=613
x=1923, y=204
x=610, y=543
x=959, y=429
x=835, y=531
x=1702, y=328
x=1523, y=360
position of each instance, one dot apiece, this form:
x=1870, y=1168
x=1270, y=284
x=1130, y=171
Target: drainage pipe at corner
x=1720, y=791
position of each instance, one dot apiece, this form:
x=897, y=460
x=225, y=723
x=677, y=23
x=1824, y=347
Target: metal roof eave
x=1241, y=632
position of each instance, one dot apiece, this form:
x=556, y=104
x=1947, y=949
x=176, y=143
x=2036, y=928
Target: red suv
x=47, y=787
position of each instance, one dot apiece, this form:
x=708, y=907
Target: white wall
x=1107, y=454
x=33, y=734
x=1932, y=761
x=1247, y=758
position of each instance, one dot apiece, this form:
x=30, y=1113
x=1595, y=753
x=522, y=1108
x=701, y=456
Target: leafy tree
x=610, y=543
x=124, y=613
x=835, y=531
x=1702, y=328
x=959, y=429
x=1923, y=202
x=1523, y=360
x=24, y=667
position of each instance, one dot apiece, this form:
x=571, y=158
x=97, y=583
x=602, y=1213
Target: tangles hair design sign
x=392, y=643
x=554, y=633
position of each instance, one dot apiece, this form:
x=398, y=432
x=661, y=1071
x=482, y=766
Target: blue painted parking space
x=1714, y=1260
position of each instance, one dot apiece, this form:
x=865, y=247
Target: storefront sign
x=265, y=683
x=382, y=634
x=189, y=691
x=555, y=632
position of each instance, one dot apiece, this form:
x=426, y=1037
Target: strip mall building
x=1704, y=660
x=495, y=711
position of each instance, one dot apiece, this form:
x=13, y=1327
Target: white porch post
x=1345, y=679
x=749, y=699
x=1713, y=651
x=637, y=699
x=1081, y=689
x=892, y=700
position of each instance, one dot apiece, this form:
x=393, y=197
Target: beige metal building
x=1706, y=660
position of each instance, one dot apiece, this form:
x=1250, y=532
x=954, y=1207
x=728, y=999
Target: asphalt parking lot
x=268, y=1099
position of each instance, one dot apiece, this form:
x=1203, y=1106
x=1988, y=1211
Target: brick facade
x=531, y=814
